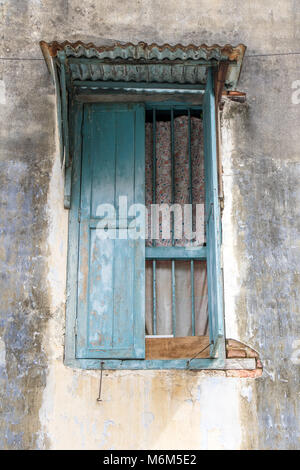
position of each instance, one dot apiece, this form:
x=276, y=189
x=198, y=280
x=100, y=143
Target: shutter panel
x=111, y=277
x=213, y=224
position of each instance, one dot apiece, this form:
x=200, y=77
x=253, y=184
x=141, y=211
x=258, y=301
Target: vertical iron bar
x=172, y=170
x=193, y=298
x=154, y=170
x=173, y=224
x=173, y=299
x=154, y=297
x=191, y=202
x=154, y=202
x=190, y=160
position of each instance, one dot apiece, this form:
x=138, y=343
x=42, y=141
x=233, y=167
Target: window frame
x=75, y=134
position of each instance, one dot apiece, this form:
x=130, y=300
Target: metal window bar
x=172, y=215
x=172, y=172
x=191, y=202
x=154, y=201
x=149, y=251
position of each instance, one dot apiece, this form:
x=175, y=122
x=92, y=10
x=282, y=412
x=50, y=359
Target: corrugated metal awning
x=146, y=63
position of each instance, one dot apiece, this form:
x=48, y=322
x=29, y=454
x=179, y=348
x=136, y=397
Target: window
x=124, y=294
x=114, y=267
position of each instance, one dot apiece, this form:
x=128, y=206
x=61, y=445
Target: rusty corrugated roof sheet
x=146, y=51
x=146, y=62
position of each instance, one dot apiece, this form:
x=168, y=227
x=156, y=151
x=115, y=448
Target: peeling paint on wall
x=2, y=353
x=47, y=405
x=2, y=92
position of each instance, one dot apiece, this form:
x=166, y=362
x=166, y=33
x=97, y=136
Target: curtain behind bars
x=182, y=194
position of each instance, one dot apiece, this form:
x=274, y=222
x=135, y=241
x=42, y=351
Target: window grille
x=175, y=310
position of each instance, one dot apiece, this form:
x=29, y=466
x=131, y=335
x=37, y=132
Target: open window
x=138, y=140
x=176, y=276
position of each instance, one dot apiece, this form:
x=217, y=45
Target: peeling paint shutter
x=213, y=223
x=111, y=297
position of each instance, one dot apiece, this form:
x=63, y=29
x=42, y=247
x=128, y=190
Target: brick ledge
x=246, y=362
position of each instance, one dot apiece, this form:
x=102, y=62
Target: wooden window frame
x=217, y=351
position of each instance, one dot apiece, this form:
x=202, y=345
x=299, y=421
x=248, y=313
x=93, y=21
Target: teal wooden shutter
x=213, y=224
x=111, y=272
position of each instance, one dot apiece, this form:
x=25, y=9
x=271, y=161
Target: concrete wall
x=43, y=403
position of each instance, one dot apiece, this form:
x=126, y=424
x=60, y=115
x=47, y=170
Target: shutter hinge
x=75, y=328
x=79, y=215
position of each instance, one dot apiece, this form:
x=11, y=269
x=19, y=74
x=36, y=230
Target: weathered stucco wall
x=43, y=403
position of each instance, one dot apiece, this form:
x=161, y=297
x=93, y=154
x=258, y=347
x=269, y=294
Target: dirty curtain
x=182, y=194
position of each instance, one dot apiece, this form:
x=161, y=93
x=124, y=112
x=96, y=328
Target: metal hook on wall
x=100, y=384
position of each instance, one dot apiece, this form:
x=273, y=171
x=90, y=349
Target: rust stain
x=220, y=78
x=235, y=95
